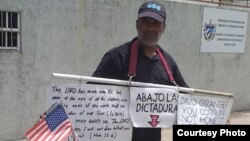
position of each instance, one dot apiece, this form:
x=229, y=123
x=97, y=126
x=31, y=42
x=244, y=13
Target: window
x=9, y=30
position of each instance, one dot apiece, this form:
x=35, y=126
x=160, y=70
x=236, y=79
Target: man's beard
x=149, y=38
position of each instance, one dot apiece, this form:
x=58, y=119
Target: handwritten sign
x=98, y=112
x=153, y=107
x=203, y=109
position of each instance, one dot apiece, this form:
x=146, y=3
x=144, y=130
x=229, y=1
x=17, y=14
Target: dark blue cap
x=154, y=10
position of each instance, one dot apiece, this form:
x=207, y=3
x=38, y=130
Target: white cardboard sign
x=98, y=112
x=153, y=107
x=203, y=109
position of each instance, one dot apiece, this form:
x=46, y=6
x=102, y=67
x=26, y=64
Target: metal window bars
x=9, y=30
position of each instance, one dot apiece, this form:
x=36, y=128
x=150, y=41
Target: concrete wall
x=71, y=36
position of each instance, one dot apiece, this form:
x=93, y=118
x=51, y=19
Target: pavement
x=239, y=118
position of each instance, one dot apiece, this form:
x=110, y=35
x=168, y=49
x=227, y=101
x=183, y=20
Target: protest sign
x=203, y=109
x=209, y=107
x=153, y=107
x=98, y=112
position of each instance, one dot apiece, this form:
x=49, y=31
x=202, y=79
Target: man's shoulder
x=167, y=55
x=164, y=51
x=122, y=48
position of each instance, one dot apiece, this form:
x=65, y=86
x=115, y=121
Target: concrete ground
x=235, y=118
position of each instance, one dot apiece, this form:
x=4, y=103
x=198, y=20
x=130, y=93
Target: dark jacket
x=115, y=65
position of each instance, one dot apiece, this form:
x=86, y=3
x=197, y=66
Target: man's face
x=149, y=30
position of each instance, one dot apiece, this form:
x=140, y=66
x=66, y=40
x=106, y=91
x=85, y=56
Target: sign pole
x=132, y=83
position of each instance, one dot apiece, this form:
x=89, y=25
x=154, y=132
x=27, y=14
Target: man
x=149, y=66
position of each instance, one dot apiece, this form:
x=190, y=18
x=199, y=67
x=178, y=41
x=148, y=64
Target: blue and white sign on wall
x=223, y=31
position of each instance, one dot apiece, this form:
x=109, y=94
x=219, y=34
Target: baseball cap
x=152, y=9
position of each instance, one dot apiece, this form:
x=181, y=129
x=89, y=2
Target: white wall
x=71, y=37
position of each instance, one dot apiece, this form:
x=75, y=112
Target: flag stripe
x=65, y=134
x=61, y=134
x=45, y=131
x=45, y=135
x=59, y=129
x=36, y=137
x=37, y=129
x=56, y=126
